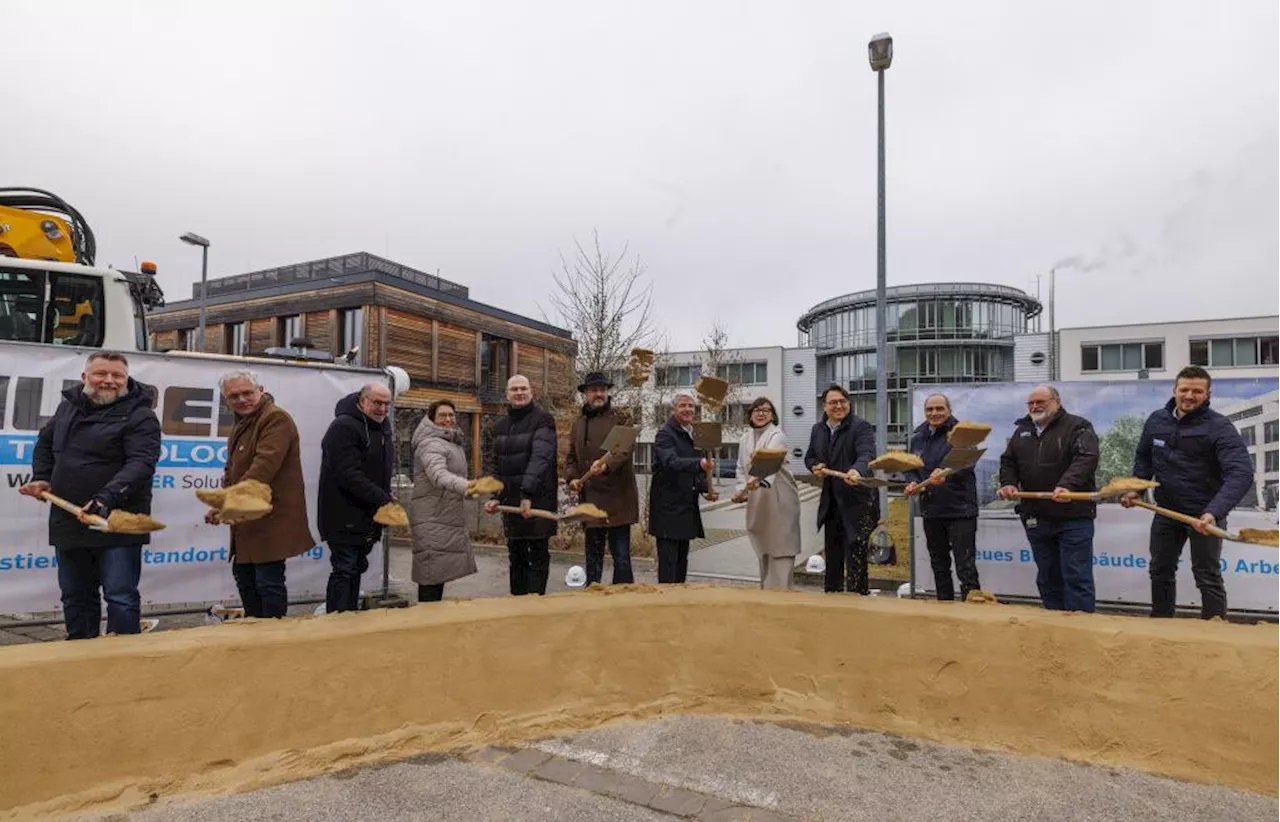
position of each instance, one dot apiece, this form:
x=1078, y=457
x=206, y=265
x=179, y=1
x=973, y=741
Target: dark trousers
x=673, y=560
x=945, y=537
x=846, y=554
x=262, y=589
x=1063, y=550
x=1167, y=538
x=530, y=562
x=430, y=593
x=116, y=571
x=348, y=562
x=619, y=539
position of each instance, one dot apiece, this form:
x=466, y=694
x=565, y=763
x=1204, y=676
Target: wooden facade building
x=389, y=314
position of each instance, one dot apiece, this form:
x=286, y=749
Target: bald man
x=524, y=458
x=356, y=465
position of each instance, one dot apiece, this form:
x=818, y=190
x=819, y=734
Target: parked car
x=727, y=469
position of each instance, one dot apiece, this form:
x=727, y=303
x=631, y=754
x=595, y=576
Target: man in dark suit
x=679, y=475
x=847, y=512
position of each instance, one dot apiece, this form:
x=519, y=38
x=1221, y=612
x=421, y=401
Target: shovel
x=1251, y=536
x=957, y=459
x=585, y=512
x=711, y=390
x=620, y=439
x=117, y=522
x=1118, y=486
x=708, y=437
x=968, y=434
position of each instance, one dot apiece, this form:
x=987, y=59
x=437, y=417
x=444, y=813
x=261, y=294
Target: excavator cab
x=50, y=291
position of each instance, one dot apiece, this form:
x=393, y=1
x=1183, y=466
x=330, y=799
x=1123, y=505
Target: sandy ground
x=716, y=768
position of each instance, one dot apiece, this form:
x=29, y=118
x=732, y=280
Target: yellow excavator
x=51, y=291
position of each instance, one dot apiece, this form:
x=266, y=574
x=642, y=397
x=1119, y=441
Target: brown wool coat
x=615, y=489
x=264, y=446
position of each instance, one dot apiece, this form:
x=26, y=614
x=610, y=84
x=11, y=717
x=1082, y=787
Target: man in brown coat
x=264, y=446
x=613, y=490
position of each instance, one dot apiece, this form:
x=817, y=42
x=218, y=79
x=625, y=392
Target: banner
x=188, y=562
x=1121, y=556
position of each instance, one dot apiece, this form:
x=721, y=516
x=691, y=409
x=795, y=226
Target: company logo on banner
x=188, y=561
x=1121, y=556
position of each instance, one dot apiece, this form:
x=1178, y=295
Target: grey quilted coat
x=437, y=512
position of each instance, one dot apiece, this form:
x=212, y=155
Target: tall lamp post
x=195, y=239
x=880, y=53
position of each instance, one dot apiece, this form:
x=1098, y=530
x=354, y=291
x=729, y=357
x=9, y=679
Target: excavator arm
x=38, y=225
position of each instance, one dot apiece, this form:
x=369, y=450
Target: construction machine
x=51, y=291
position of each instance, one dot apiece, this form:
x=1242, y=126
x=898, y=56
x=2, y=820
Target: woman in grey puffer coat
x=437, y=513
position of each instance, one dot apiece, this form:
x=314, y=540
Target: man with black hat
x=613, y=489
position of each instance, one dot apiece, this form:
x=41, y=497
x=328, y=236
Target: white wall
x=799, y=390
x=1269, y=404
x=1177, y=346
x=1026, y=348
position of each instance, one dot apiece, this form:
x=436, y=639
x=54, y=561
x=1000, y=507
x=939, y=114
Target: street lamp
x=880, y=54
x=195, y=239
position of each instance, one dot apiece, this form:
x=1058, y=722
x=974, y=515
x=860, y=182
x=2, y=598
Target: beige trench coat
x=773, y=513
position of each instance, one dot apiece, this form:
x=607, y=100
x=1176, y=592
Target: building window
x=1235, y=352
x=1273, y=462
x=495, y=362
x=1255, y=411
x=1253, y=460
x=233, y=339
x=744, y=373
x=1250, y=436
x=290, y=329
x=351, y=323
x=642, y=457
x=677, y=376
x=1271, y=431
x=1122, y=356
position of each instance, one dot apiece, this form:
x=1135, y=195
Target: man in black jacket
x=356, y=463
x=1051, y=450
x=679, y=475
x=524, y=458
x=100, y=449
x=1203, y=467
x=948, y=506
x=847, y=512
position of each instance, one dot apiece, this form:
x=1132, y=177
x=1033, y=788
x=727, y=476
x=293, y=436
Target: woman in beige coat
x=773, y=503
x=437, y=513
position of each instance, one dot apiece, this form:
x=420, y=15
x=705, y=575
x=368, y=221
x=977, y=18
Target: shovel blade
x=958, y=459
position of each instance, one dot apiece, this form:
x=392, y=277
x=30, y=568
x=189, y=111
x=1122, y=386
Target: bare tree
x=606, y=303
x=717, y=356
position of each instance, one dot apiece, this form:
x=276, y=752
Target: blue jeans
x=262, y=589
x=1064, y=562
x=619, y=538
x=117, y=570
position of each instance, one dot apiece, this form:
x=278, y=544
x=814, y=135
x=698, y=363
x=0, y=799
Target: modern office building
x=937, y=333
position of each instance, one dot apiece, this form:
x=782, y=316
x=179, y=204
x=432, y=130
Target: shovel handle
x=537, y=512
x=1075, y=496
x=1186, y=519
x=72, y=509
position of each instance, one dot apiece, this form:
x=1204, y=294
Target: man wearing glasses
x=356, y=465
x=847, y=512
x=1051, y=450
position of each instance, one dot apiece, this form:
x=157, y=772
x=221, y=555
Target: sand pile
x=104, y=725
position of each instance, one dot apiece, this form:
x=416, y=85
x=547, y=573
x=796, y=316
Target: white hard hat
x=815, y=565
x=575, y=577
x=904, y=590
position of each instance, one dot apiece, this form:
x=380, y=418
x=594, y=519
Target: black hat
x=593, y=379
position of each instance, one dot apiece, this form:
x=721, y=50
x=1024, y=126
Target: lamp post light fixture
x=880, y=55
x=195, y=239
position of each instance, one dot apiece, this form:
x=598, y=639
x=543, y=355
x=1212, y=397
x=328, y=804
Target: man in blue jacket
x=1203, y=467
x=948, y=506
x=357, y=459
x=679, y=476
x=100, y=450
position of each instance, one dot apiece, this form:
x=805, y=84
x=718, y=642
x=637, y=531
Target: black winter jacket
x=357, y=460
x=524, y=458
x=1200, y=461
x=852, y=446
x=102, y=452
x=1065, y=455
x=678, y=479
x=957, y=496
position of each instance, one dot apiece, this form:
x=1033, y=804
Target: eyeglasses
x=1037, y=403
x=836, y=403
x=764, y=409
x=380, y=403
x=242, y=395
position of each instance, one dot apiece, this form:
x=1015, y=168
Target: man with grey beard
x=100, y=450
x=1051, y=450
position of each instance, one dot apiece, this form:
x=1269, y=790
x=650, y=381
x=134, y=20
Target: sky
x=730, y=145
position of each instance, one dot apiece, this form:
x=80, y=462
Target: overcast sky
x=731, y=143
